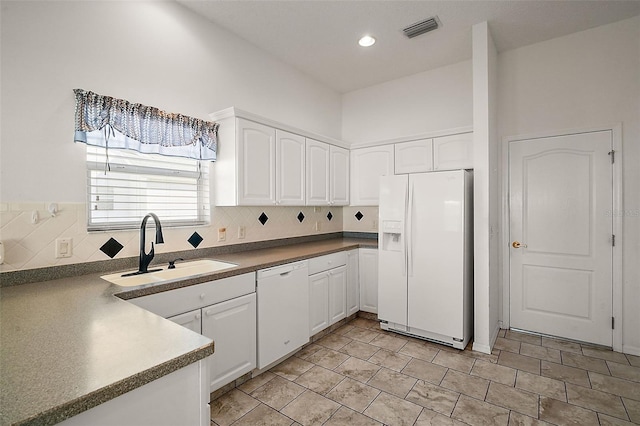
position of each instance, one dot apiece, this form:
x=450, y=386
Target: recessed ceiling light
x=366, y=41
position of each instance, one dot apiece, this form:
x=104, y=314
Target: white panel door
x=561, y=273
x=414, y=156
x=368, y=264
x=232, y=327
x=191, y=320
x=290, y=175
x=337, y=294
x=317, y=165
x=453, y=152
x=353, y=283
x=318, y=302
x=339, y=176
x=257, y=162
x=367, y=165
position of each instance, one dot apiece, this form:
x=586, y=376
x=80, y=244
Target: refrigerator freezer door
x=392, y=265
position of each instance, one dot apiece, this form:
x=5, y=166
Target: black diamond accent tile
x=329, y=216
x=111, y=247
x=300, y=217
x=263, y=218
x=359, y=215
x=195, y=239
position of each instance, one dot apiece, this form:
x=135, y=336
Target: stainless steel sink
x=182, y=270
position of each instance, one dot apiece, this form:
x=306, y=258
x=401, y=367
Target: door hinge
x=613, y=323
x=613, y=240
x=612, y=153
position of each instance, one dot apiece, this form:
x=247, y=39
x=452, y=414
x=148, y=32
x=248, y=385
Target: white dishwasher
x=283, y=311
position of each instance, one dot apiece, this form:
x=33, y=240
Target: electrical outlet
x=64, y=247
x=375, y=224
x=317, y=227
x=241, y=232
x=222, y=234
x=317, y=209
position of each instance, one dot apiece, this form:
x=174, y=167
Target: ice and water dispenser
x=392, y=233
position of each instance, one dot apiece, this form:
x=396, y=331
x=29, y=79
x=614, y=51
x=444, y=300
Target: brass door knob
x=518, y=244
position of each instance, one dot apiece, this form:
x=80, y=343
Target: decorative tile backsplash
x=31, y=245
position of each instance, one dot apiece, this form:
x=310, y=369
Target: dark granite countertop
x=69, y=344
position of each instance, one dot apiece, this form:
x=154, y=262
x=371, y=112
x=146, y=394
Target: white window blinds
x=125, y=185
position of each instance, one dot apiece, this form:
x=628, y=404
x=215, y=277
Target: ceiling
x=319, y=37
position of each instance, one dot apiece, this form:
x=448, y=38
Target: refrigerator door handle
x=409, y=231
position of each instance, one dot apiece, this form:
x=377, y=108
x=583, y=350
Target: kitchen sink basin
x=182, y=270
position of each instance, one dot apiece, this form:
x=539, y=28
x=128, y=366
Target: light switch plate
x=222, y=234
x=64, y=247
x=241, y=232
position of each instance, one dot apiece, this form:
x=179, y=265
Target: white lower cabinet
x=327, y=290
x=337, y=294
x=191, y=320
x=353, y=284
x=368, y=280
x=232, y=327
x=318, y=302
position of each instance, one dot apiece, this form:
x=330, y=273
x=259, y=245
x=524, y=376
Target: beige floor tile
x=494, y=372
x=540, y=352
x=585, y=362
x=562, y=345
x=362, y=334
x=425, y=371
x=633, y=409
x=319, y=379
x=455, y=361
x=517, y=419
x=353, y=394
x=344, y=329
x=357, y=369
x=392, y=410
x=392, y=382
x=345, y=416
x=633, y=360
x=475, y=412
x=253, y=384
x=334, y=341
x=502, y=332
x=311, y=409
x=605, y=354
x=622, y=371
x=419, y=350
x=513, y=399
x=391, y=360
x=561, y=413
x=492, y=357
x=292, y=368
x=595, y=400
x=231, y=406
x=473, y=386
x=433, y=397
x=278, y=392
x=524, y=337
x=574, y=375
x=359, y=349
x=612, y=421
x=263, y=415
x=365, y=323
x=431, y=418
x=507, y=345
x=389, y=342
x=615, y=386
x=328, y=358
x=308, y=350
x=541, y=385
x=519, y=362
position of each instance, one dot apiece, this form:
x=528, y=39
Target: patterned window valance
x=142, y=128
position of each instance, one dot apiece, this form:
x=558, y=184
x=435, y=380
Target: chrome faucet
x=146, y=258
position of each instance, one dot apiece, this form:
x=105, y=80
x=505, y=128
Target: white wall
x=582, y=80
x=421, y=103
x=155, y=53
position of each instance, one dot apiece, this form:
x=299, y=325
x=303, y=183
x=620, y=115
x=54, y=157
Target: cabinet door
x=353, y=285
x=339, y=176
x=190, y=320
x=453, y=152
x=367, y=165
x=290, y=176
x=337, y=294
x=317, y=172
x=318, y=302
x=369, y=280
x=232, y=327
x=256, y=144
x=414, y=156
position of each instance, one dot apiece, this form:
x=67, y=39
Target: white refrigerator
x=425, y=267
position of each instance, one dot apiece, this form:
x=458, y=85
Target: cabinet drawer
x=185, y=299
x=326, y=262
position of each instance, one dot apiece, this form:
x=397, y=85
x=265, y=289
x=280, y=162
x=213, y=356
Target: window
x=124, y=185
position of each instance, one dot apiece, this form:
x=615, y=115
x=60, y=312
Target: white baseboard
x=631, y=350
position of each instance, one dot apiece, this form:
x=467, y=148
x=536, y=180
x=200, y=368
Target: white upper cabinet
x=317, y=165
x=453, y=152
x=367, y=165
x=339, y=176
x=414, y=156
x=256, y=163
x=290, y=171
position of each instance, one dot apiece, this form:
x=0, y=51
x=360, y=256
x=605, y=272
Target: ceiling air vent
x=421, y=27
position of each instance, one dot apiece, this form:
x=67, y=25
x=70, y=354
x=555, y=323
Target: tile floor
x=361, y=375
